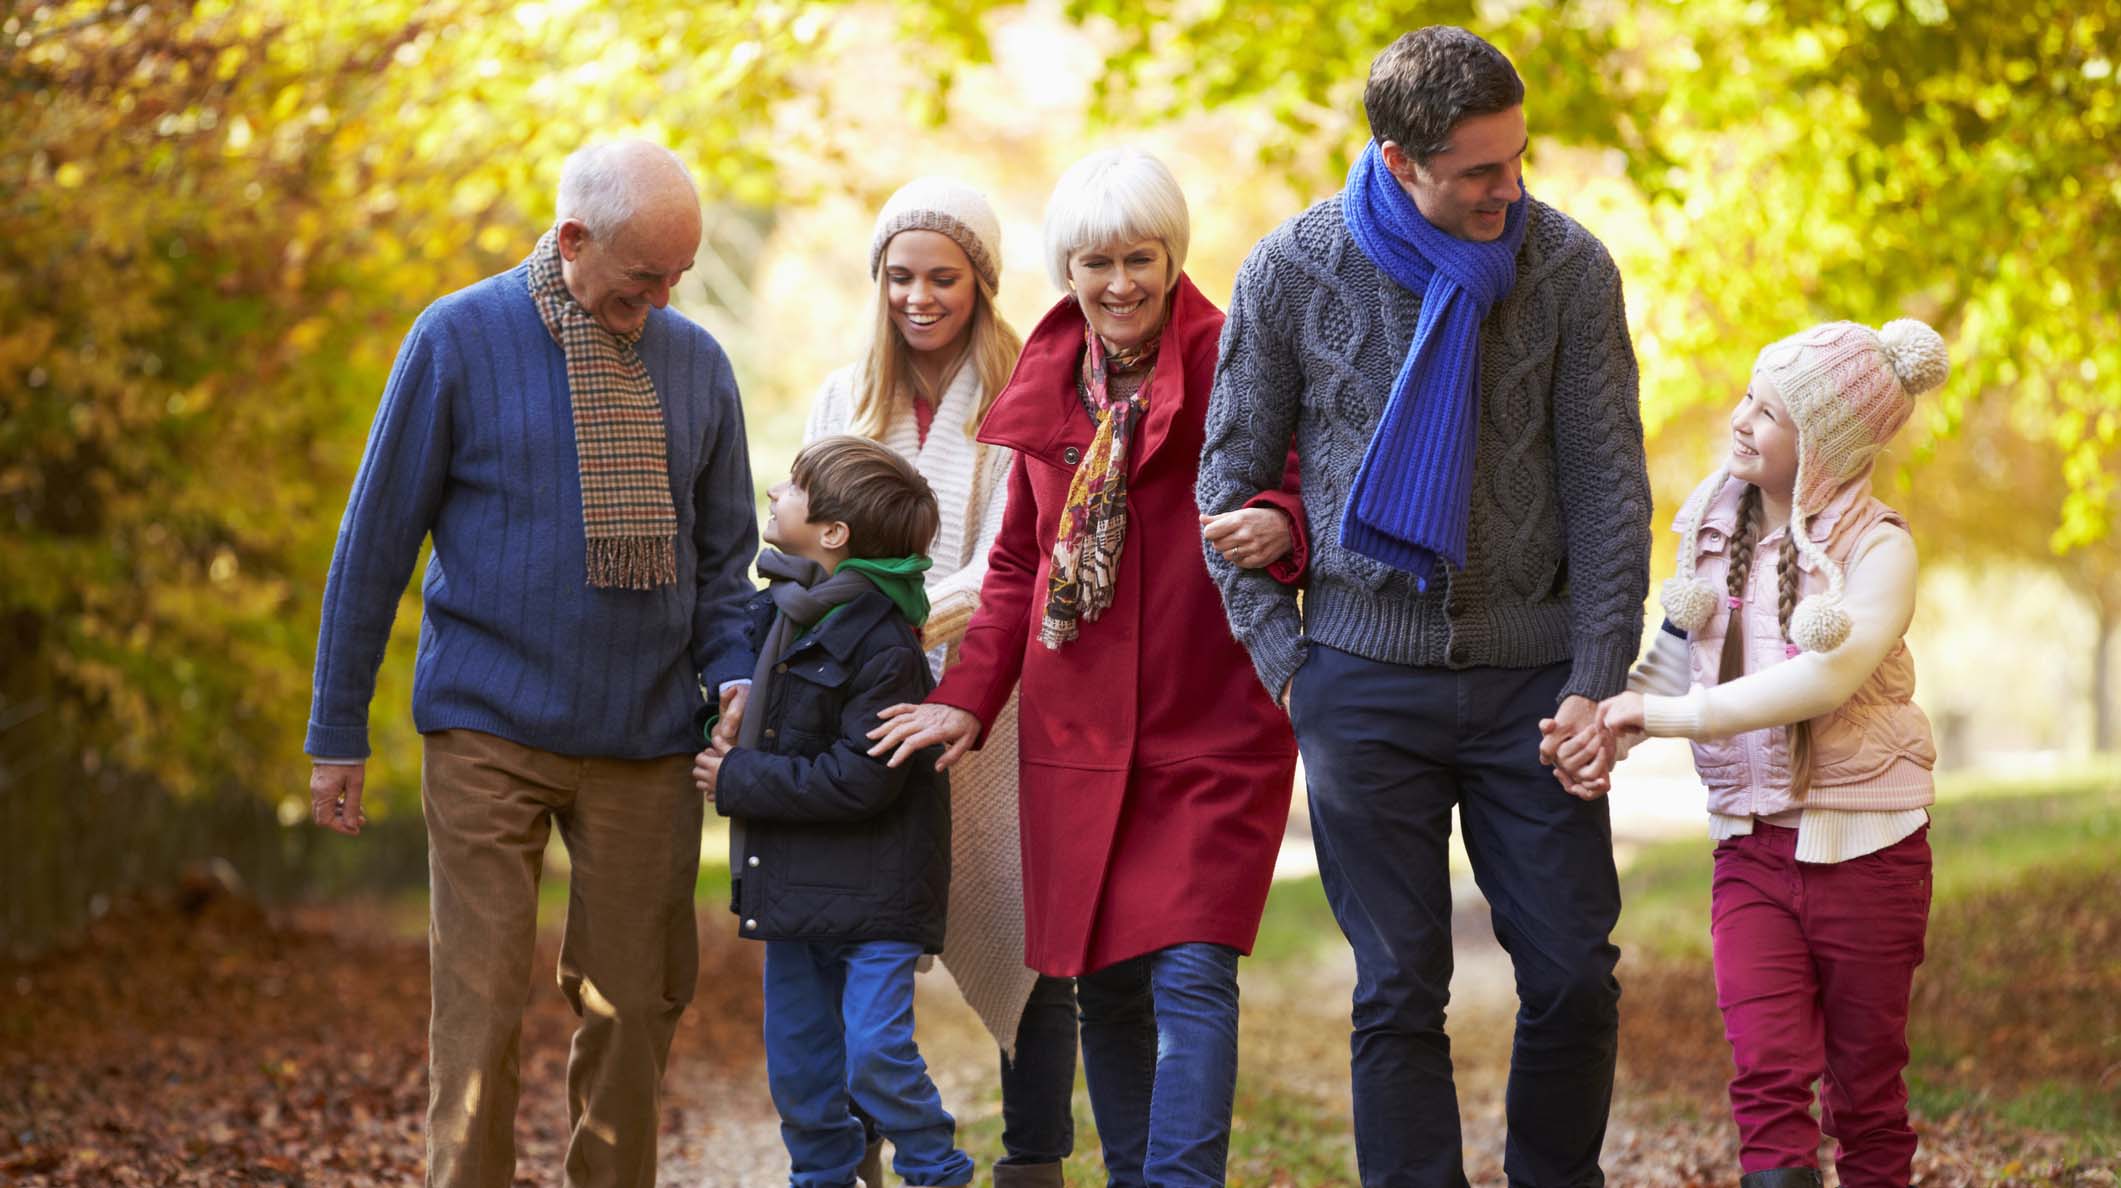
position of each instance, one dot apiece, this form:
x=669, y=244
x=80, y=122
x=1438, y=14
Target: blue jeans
x=839, y=1029
x=1038, y=1087
x=1388, y=750
x=1160, y=1053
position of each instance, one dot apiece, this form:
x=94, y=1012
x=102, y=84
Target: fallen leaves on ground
x=228, y=1047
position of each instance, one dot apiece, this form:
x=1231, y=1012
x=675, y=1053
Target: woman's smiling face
x=1121, y=287
x=930, y=290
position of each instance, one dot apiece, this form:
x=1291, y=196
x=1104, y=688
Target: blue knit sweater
x=473, y=443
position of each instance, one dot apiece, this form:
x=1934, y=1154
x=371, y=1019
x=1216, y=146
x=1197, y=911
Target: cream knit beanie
x=951, y=208
x=1849, y=389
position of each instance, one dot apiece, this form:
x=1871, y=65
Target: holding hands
x=1584, y=739
x=707, y=765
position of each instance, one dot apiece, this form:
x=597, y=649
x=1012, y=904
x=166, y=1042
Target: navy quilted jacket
x=837, y=846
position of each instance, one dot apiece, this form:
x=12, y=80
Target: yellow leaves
x=305, y=334
x=70, y=176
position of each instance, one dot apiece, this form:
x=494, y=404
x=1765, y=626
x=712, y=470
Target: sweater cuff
x=1600, y=668
x=1290, y=569
x=1276, y=655
x=336, y=742
x=1673, y=717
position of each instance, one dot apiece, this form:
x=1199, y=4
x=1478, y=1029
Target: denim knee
x=1583, y=998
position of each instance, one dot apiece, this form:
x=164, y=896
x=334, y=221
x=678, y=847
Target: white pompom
x=1916, y=353
x=1819, y=625
x=1688, y=603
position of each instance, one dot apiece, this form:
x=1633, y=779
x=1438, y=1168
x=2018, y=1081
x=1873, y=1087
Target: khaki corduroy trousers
x=629, y=956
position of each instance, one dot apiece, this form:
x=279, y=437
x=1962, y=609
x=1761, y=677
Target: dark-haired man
x=1451, y=358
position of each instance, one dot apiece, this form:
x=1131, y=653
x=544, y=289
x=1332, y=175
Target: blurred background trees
x=217, y=220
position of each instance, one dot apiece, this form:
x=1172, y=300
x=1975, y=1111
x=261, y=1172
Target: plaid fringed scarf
x=1093, y=526
x=632, y=528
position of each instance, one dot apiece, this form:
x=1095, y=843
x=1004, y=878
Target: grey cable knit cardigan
x=1557, y=562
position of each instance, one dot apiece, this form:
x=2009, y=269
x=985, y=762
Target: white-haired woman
x=938, y=354
x=1155, y=771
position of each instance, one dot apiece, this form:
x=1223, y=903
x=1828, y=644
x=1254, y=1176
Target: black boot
x=1028, y=1175
x=1782, y=1177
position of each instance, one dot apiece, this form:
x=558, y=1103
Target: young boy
x=841, y=864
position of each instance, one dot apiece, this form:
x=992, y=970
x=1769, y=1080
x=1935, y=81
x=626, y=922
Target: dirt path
x=1294, y=1046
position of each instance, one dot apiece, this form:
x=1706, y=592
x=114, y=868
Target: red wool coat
x=1155, y=771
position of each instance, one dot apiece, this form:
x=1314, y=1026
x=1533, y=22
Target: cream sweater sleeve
x=1879, y=595
x=955, y=598
x=831, y=408
x=1663, y=669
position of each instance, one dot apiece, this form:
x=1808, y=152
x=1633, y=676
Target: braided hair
x=1731, y=664
x=1799, y=734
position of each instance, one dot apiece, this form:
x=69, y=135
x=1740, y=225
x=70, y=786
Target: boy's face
x=790, y=529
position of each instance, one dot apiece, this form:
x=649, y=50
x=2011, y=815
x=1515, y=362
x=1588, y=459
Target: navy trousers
x=1038, y=1087
x=1388, y=751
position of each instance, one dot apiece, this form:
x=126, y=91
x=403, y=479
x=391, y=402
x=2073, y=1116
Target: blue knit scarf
x=1413, y=492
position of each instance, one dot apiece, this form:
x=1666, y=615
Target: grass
x=1987, y=833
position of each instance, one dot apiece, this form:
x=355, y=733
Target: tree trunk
x=2102, y=679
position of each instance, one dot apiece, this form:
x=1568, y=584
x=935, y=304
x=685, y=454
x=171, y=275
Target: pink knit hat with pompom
x=1849, y=388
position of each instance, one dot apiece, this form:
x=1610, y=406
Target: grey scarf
x=802, y=594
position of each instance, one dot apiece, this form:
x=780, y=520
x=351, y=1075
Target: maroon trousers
x=1814, y=964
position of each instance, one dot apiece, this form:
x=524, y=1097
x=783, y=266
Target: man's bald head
x=605, y=186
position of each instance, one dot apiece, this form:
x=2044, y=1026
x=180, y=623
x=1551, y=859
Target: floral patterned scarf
x=1093, y=525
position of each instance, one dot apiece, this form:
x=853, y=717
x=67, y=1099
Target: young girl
x=1782, y=658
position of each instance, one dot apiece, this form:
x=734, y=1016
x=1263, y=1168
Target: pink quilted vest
x=1874, y=751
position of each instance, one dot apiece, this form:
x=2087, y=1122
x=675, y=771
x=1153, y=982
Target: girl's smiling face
x=1764, y=441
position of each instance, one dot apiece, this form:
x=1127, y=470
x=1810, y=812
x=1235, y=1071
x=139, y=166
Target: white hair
x=1117, y=195
x=603, y=185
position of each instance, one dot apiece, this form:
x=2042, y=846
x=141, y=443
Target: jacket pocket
x=808, y=693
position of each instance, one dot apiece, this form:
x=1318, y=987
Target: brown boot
x=1028, y=1175
x=870, y=1171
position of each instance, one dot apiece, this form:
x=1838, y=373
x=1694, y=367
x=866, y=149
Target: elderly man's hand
x=335, y=796
x=734, y=699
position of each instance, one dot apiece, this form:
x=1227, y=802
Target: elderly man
x=1452, y=359
x=576, y=450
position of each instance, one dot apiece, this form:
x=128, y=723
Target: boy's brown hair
x=889, y=509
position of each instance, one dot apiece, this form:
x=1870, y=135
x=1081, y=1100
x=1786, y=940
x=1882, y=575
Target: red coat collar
x=1038, y=413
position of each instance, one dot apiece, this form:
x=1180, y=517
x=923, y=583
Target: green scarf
x=900, y=580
